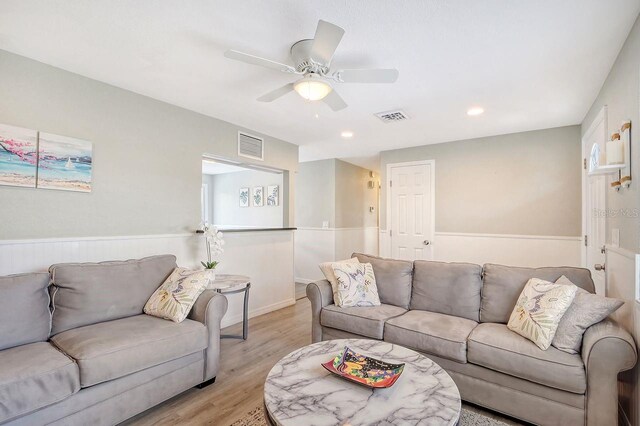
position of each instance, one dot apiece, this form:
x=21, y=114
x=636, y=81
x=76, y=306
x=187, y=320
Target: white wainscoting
x=360, y=240
x=622, y=282
x=316, y=245
x=505, y=249
x=312, y=247
x=265, y=256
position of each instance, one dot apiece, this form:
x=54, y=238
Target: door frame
x=205, y=204
x=600, y=118
x=432, y=190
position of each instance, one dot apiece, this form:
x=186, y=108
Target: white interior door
x=411, y=210
x=595, y=202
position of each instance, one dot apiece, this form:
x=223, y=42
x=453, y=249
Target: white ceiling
x=531, y=64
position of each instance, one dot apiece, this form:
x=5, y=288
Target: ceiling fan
x=312, y=59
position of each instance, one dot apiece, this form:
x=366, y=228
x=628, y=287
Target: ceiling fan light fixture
x=312, y=88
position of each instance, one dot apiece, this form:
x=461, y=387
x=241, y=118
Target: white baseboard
x=235, y=319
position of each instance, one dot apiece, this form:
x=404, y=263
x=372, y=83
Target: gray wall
x=335, y=191
x=316, y=200
x=523, y=183
x=353, y=197
x=225, y=205
x=620, y=93
x=147, y=156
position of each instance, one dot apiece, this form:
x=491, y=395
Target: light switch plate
x=325, y=224
x=615, y=237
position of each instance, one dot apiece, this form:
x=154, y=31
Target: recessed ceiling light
x=475, y=111
x=346, y=134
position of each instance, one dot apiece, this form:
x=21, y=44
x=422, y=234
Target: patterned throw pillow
x=327, y=270
x=539, y=310
x=587, y=309
x=175, y=297
x=356, y=285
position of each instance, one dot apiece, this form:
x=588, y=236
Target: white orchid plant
x=214, y=242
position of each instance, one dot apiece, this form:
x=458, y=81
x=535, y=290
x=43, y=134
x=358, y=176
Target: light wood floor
x=243, y=370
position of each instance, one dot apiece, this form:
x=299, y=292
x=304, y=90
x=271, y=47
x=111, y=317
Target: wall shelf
x=606, y=170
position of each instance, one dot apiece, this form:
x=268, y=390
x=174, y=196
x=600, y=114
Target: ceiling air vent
x=392, y=116
x=250, y=146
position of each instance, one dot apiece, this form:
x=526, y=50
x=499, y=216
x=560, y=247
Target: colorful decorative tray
x=363, y=370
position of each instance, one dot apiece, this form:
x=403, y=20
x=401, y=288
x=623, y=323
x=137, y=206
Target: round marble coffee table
x=299, y=391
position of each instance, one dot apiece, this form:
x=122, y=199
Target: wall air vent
x=250, y=146
x=392, y=116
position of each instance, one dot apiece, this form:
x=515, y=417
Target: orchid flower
x=213, y=242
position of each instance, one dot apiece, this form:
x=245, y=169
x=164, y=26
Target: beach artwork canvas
x=18, y=156
x=64, y=163
x=244, y=197
x=258, y=196
x=273, y=195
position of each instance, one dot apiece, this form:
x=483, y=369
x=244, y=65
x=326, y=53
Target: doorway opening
x=594, y=201
x=242, y=196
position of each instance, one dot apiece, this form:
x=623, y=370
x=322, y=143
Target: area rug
x=255, y=417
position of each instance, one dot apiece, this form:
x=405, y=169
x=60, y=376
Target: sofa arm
x=320, y=294
x=209, y=310
x=607, y=349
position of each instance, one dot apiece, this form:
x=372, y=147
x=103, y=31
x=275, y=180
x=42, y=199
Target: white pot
x=211, y=275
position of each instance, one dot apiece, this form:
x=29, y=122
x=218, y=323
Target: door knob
x=599, y=267
x=426, y=242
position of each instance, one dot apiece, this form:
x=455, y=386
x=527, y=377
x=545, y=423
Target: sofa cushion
x=88, y=293
x=539, y=310
x=112, y=349
x=495, y=346
x=393, y=278
x=327, y=271
x=586, y=310
x=33, y=376
x=24, y=309
x=356, y=285
x=432, y=333
x=447, y=288
x=365, y=321
x=174, y=299
x=502, y=286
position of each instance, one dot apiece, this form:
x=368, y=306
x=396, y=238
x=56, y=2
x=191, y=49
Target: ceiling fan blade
x=325, y=42
x=275, y=94
x=367, y=76
x=334, y=101
x=256, y=60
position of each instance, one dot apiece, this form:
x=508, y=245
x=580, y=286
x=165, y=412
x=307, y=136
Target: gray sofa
x=456, y=313
x=76, y=348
